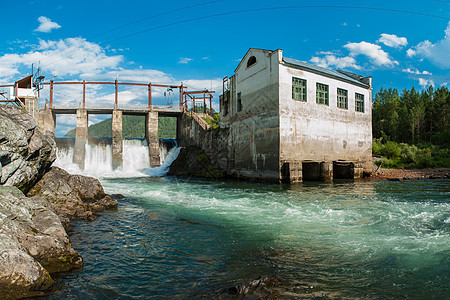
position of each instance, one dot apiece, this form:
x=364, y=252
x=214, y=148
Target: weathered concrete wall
x=31, y=105
x=253, y=129
x=323, y=133
x=151, y=134
x=117, y=144
x=81, y=135
x=214, y=143
x=46, y=122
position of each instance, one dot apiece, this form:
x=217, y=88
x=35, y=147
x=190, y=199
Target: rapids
x=191, y=238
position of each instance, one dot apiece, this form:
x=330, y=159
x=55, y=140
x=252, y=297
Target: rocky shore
x=406, y=174
x=37, y=202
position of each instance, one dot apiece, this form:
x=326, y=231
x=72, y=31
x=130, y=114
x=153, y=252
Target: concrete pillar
x=46, y=122
x=327, y=170
x=117, y=145
x=81, y=136
x=151, y=134
x=31, y=105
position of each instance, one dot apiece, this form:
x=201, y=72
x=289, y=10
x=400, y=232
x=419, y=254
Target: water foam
x=136, y=162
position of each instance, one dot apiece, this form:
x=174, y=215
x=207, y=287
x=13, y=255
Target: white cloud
x=344, y=24
x=438, y=53
x=410, y=52
x=71, y=56
x=425, y=82
x=46, y=25
x=333, y=61
x=210, y=84
x=374, y=52
x=184, y=60
x=417, y=72
x=391, y=40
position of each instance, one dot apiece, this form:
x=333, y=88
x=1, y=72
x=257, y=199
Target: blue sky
x=401, y=44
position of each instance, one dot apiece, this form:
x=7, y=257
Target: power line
x=140, y=20
x=262, y=10
x=442, y=1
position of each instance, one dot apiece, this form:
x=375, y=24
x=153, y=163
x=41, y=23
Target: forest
x=411, y=128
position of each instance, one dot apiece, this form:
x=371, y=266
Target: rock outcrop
x=72, y=196
x=25, y=154
x=33, y=244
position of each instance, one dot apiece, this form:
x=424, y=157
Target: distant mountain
x=132, y=127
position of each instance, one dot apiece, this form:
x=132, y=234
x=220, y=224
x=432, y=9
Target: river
x=193, y=238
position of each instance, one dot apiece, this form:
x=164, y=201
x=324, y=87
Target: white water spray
x=136, y=162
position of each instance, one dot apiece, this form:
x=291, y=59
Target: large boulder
x=25, y=154
x=33, y=244
x=72, y=196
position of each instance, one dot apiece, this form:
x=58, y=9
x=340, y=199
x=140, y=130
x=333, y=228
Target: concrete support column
x=81, y=136
x=46, y=122
x=117, y=145
x=31, y=105
x=327, y=170
x=151, y=134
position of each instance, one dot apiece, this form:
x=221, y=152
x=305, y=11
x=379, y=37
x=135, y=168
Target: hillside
x=132, y=127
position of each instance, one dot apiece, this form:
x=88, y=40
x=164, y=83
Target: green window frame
x=321, y=93
x=342, y=98
x=298, y=89
x=359, y=102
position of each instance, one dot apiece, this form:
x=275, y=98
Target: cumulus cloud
x=71, y=56
x=425, y=82
x=378, y=56
x=391, y=40
x=46, y=25
x=416, y=72
x=334, y=61
x=184, y=60
x=438, y=53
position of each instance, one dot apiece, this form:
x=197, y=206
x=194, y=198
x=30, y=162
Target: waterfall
x=98, y=160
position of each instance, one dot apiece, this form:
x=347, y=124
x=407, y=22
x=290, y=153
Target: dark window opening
x=312, y=171
x=251, y=61
x=343, y=170
x=239, y=102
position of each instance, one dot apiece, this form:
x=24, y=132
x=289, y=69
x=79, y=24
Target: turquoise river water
x=190, y=238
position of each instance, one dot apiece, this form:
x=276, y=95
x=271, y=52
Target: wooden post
x=116, y=96
x=84, y=94
x=51, y=94
x=149, y=96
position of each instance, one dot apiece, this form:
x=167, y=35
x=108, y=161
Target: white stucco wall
x=254, y=136
x=317, y=132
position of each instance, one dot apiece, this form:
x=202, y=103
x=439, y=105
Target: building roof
x=321, y=70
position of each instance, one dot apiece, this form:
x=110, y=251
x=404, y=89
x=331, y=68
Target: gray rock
x=72, y=196
x=33, y=244
x=25, y=154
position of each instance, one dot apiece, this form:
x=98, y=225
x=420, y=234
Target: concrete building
x=292, y=121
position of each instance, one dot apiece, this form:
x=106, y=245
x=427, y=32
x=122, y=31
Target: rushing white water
x=136, y=162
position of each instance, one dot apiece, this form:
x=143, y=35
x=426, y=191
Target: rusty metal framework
x=184, y=96
x=204, y=95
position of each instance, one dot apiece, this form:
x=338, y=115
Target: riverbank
x=405, y=174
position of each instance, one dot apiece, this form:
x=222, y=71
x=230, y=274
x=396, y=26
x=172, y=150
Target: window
x=251, y=61
x=321, y=93
x=239, y=103
x=298, y=89
x=359, y=102
x=342, y=98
